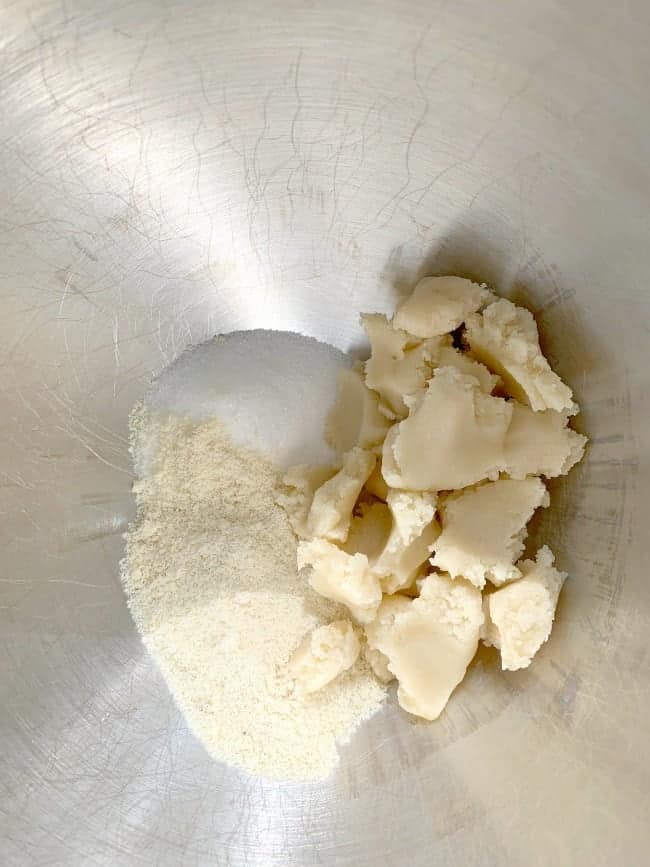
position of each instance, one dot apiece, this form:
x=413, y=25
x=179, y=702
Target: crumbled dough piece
x=483, y=529
x=449, y=356
x=452, y=439
x=299, y=484
x=355, y=419
x=399, y=364
x=378, y=661
x=438, y=305
x=331, y=509
x=399, y=571
x=505, y=338
x=411, y=511
x=520, y=615
x=376, y=484
x=410, y=541
x=428, y=641
x=342, y=577
x=541, y=443
x=324, y=654
x=369, y=531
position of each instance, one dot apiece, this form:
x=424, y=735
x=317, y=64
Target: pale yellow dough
x=378, y=661
x=411, y=538
x=519, y=616
x=355, y=418
x=331, y=508
x=449, y=356
x=443, y=450
x=428, y=641
x=541, y=443
x=341, y=577
x=399, y=364
x=369, y=531
x=483, y=530
x=438, y=305
x=505, y=338
x=454, y=438
x=324, y=654
x=376, y=483
x=299, y=484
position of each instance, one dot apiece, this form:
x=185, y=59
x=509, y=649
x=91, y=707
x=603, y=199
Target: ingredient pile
x=210, y=568
x=444, y=436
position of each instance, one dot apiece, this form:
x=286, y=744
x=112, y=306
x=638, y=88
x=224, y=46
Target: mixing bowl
x=173, y=170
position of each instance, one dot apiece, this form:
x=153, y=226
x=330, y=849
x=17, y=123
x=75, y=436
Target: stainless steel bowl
x=171, y=170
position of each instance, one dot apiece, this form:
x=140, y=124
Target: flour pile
x=210, y=573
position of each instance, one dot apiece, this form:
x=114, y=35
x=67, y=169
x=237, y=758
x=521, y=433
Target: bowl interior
x=171, y=174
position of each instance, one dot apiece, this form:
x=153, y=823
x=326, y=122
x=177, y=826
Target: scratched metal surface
x=171, y=170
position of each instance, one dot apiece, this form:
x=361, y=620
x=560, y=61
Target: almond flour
x=210, y=574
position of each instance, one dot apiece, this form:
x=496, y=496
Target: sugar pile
x=210, y=561
x=272, y=389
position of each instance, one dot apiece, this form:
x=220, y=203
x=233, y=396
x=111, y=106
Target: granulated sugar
x=272, y=389
x=212, y=584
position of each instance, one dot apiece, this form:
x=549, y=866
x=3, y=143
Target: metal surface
x=170, y=170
